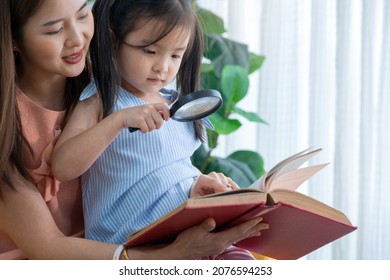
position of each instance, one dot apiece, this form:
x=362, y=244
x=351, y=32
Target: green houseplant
x=226, y=68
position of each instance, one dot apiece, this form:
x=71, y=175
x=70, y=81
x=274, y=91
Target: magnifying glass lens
x=197, y=107
x=194, y=106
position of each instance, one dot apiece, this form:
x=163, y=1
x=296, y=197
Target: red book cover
x=170, y=226
x=293, y=232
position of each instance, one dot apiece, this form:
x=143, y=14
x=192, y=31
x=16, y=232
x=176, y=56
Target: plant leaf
x=222, y=125
x=237, y=170
x=253, y=117
x=209, y=79
x=200, y=158
x=254, y=161
x=222, y=51
x=206, y=68
x=210, y=22
x=234, y=84
x=255, y=62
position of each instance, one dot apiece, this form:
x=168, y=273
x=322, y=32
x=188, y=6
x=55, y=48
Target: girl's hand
x=147, y=117
x=212, y=183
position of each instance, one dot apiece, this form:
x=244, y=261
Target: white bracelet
x=118, y=252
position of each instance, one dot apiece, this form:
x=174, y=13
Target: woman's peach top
x=42, y=128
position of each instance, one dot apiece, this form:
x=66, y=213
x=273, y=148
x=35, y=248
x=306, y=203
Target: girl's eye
x=175, y=56
x=146, y=51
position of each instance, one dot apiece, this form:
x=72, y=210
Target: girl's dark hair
x=118, y=18
x=13, y=145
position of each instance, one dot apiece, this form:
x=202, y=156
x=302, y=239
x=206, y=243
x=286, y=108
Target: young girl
x=43, y=46
x=132, y=179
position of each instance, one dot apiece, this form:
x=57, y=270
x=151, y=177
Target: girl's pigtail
x=188, y=79
x=102, y=55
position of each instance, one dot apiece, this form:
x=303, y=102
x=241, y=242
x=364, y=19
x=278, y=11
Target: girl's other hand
x=212, y=183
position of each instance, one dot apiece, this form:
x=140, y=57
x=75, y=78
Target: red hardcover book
x=298, y=224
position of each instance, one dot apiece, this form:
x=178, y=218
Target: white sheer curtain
x=325, y=83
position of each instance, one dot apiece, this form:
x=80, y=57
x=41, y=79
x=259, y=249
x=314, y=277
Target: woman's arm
x=26, y=218
x=85, y=135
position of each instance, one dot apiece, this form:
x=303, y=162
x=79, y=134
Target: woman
x=43, y=70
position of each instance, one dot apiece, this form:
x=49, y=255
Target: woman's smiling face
x=55, y=40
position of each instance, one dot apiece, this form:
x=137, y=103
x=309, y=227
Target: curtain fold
x=380, y=218
x=322, y=96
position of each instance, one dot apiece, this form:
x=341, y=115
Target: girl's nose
x=161, y=65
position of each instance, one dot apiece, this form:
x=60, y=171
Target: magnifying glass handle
x=133, y=129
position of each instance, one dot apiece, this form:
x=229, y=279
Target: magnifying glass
x=194, y=106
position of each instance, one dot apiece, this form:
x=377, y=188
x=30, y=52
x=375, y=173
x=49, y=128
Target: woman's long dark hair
x=118, y=18
x=13, y=146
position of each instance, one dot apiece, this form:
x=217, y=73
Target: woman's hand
x=199, y=241
x=212, y=183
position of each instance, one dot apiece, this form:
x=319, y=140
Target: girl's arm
x=25, y=217
x=86, y=134
x=82, y=141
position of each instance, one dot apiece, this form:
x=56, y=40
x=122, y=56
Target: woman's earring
x=15, y=51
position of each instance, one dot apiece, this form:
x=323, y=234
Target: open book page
x=294, y=161
x=288, y=165
x=293, y=179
